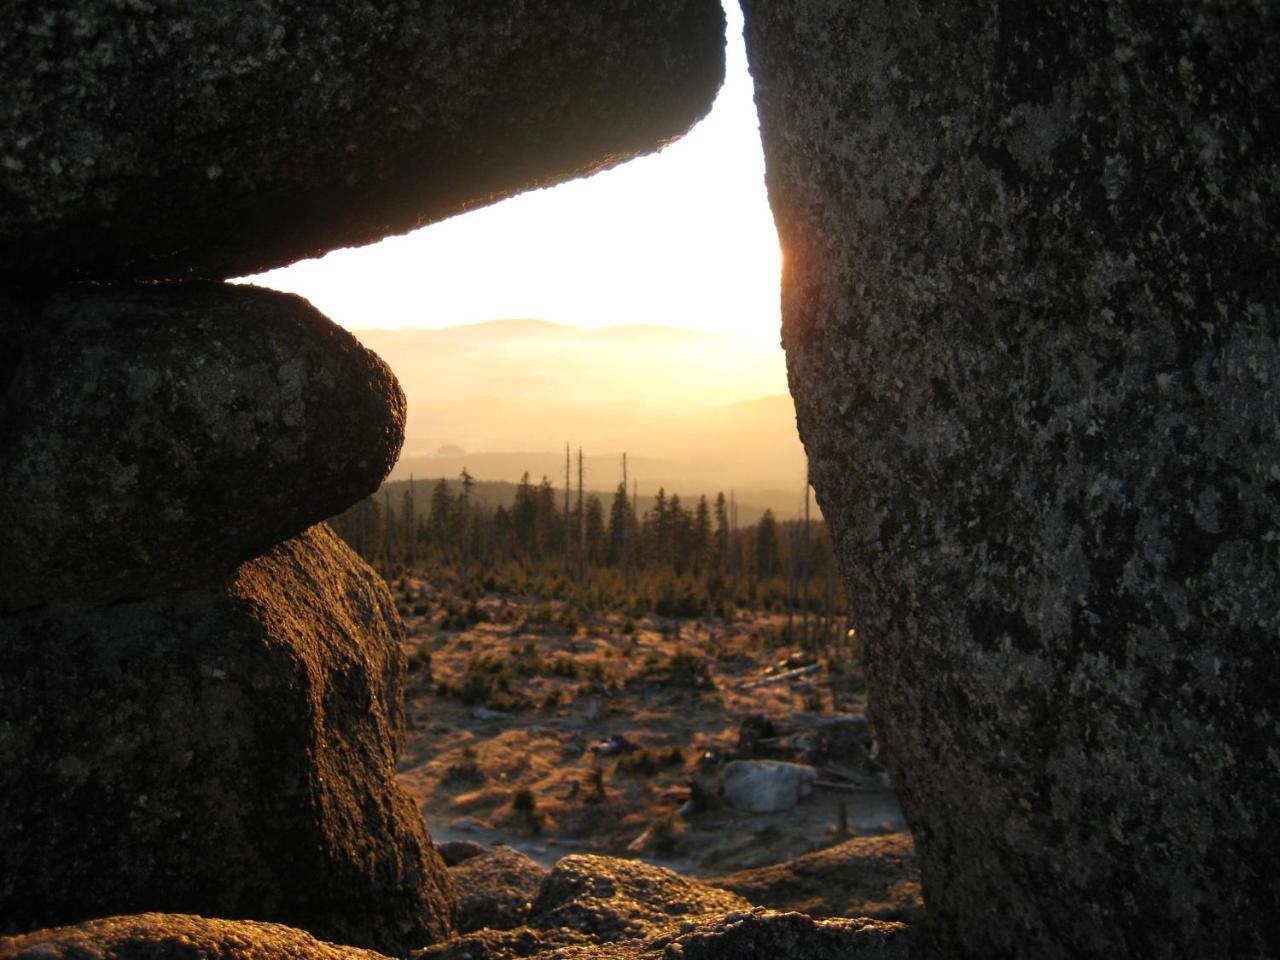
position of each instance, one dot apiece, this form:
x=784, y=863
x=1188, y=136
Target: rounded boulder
x=153, y=437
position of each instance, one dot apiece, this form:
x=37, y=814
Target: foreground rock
x=227, y=752
x=618, y=899
x=215, y=141
x=150, y=936
x=590, y=900
x=496, y=888
x=739, y=935
x=154, y=437
x=877, y=877
x=760, y=935
x=1032, y=326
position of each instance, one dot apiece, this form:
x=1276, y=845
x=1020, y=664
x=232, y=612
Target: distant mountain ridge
x=694, y=410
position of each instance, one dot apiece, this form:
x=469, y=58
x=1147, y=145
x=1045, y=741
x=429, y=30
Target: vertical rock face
x=226, y=751
x=1031, y=316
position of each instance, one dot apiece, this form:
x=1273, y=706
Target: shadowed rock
x=227, y=751
x=497, y=888
x=153, y=437
x=1031, y=316
x=168, y=936
x=875, y=877
x=739, y=935
x=214, y=139
x=590, y=900
x=615, y=899
x=761, y=935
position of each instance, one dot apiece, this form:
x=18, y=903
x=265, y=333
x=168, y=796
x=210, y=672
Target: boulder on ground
x=766, y=786
x=1031, y=308
x=174, y=936
x=616, y=899
x=589, y=901
x=497, y=888
x=227, y=751
x=877, y=877
x=153, y=437
x=736, y=935
x=454, y=852
x=215, y=139
x=760, y=935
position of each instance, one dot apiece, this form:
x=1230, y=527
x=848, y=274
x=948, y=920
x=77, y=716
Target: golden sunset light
x=682, y=238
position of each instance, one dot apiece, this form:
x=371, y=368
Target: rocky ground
x=558, y=732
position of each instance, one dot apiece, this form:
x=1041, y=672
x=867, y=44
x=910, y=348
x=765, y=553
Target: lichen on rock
x=214, y=140
x=152, y=438
x=1030, y=304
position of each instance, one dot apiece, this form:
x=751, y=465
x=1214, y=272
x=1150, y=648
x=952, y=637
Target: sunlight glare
x=681, y=238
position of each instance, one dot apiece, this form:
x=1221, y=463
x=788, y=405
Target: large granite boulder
x=226, y=751
x=215, y=139
x=154, y=437
x=168, y=936
x=1032, y=323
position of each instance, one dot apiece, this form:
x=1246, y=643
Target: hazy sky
x=682, y=238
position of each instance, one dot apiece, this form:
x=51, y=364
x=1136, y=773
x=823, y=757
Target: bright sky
x=681, y=238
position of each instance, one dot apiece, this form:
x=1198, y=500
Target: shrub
x=597, y=791
x=666, y=832
x=649, y=760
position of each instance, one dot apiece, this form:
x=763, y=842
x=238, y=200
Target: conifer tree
x=701, y=536
x=619, y=517
x=768, y=560
x=440, y=520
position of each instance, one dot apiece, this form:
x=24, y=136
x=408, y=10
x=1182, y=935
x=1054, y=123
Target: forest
x=677, y=557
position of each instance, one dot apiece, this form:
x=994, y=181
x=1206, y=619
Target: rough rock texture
x=876, y=877
x=169, y=936
x=1030, y=312
x=155, y=437
x=761, y=935
x=488, y=944
x=738, y=935
x=617, y=899
x=225, y=751
x=589, y=900
x=497, y=888
x=454, y=852
x=153, y=140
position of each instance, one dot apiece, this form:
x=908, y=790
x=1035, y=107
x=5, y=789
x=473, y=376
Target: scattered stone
x=766, y=786
x=228, y=751
x=215, y=140
x=497, y=888
x=489, y=714
x=875, y=877
x=613, y=745
x=152, y=438
x=454, y=852
x=172, y=936
x=1031, y=308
